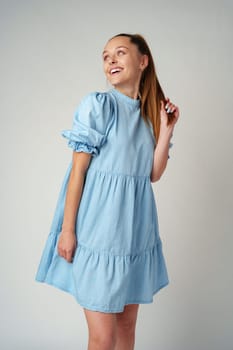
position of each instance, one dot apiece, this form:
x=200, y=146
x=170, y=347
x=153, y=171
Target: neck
x=132, y=92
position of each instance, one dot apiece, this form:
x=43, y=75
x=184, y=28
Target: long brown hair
x=150, y=89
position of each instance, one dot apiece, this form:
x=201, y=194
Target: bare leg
x=126, y=324
x=102, y=330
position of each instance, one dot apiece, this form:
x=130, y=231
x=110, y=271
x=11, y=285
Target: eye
x=105, y=57
x=120, y=52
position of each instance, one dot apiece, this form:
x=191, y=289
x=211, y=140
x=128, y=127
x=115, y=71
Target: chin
x=116, y=83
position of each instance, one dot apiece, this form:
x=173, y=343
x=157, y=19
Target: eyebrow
x=118, y=47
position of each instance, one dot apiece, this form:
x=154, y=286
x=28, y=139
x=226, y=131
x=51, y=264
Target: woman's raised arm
x=162, y=146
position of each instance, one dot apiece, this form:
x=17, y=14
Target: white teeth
x=114, y=70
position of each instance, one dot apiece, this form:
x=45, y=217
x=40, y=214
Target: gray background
x=50, y=58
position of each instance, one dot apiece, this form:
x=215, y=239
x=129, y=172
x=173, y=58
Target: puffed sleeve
x=91, y=122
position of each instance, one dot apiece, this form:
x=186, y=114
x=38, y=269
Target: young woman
x=104, y=246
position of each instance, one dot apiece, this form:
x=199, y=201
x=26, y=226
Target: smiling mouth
x=115, y=70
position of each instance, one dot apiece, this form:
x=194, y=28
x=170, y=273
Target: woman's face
x=123, y=63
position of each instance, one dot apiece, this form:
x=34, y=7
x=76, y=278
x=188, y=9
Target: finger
x=162, y=109
x=62, y=253
x=69, y=256
x=177, y=110
x=167, y=101
x=171, y=108
x=167, y=104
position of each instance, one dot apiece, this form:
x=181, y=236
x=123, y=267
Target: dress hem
x=102, y=309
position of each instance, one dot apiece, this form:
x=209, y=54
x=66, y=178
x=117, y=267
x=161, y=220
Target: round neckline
x=131, y=101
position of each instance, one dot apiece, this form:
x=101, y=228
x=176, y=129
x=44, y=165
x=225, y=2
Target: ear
x=144, y=62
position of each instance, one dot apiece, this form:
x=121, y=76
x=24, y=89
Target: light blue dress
x=119, y=258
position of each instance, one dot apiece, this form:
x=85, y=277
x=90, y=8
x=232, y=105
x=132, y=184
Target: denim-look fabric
x=119, y=258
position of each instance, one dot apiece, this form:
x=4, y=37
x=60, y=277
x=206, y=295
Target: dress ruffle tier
x=119, y=257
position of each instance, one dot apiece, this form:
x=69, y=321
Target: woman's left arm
x=162, y=146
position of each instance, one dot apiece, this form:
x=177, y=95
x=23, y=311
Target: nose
x=112, y=59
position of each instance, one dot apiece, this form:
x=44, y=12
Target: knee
x=103, y=341
x=126, y=326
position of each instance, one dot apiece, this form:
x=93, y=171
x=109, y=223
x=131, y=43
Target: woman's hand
x=165, y=125
x=67, y=244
